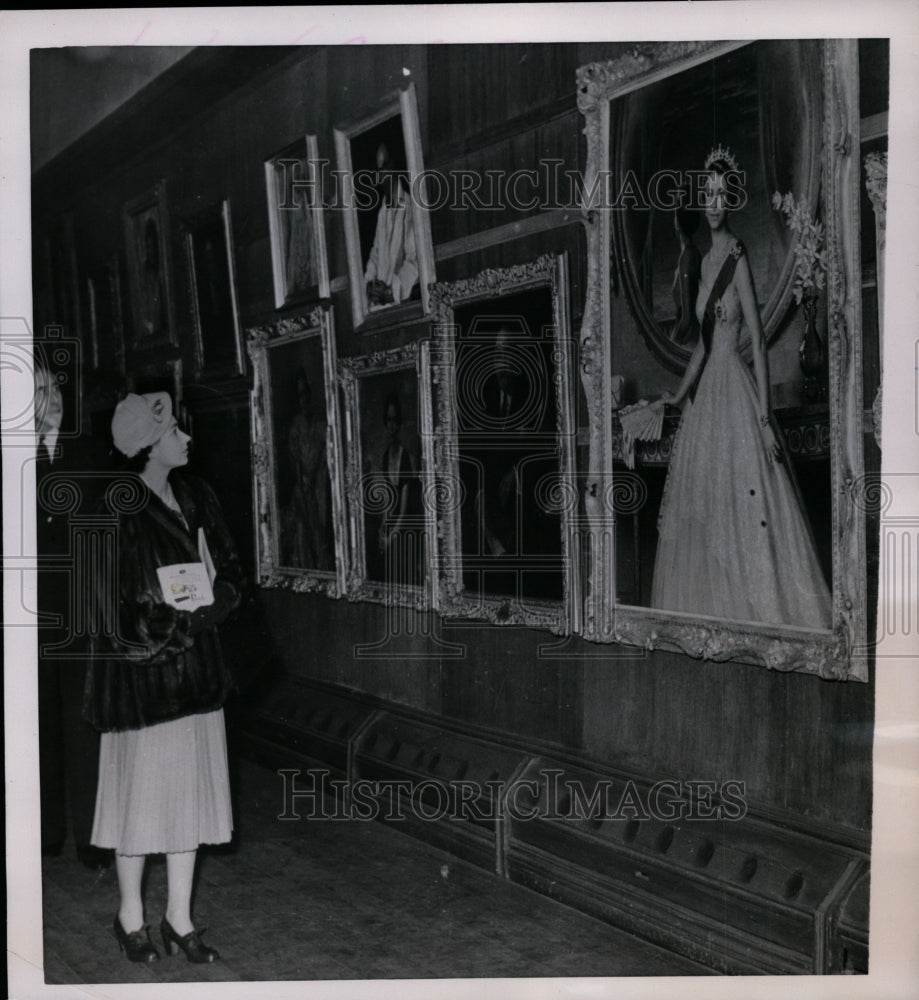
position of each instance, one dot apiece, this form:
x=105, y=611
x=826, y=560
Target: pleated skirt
x=164, y=789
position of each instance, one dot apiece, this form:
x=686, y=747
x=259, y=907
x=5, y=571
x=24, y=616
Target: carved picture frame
x=296, y=228
x=104, y=313
x=840, y=653
x=211, y=269
x=146, y=223
x=465, y=435
x=387, y=394
x=299, y=514
x=393, y=123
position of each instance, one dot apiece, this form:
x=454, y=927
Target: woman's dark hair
x=392, y=400
x=136, y=463
x=720, y=166
x=687, y=217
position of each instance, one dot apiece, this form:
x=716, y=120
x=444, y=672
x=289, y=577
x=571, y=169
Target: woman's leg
x=180, y=873
x=130, y=870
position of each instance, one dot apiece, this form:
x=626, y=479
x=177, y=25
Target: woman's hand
x=217, y=612
x=662, y=402
x=771, y=443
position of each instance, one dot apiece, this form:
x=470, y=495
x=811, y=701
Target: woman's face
x=171, y=451
x=714, y=201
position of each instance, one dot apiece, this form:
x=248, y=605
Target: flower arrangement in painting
x=810, y=255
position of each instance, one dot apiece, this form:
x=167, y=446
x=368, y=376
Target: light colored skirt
x=164, y=789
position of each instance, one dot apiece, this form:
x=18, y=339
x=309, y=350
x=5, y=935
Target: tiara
x=721, y=153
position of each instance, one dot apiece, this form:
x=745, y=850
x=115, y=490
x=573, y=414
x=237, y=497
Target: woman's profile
x=157, y=682
x=733, y=536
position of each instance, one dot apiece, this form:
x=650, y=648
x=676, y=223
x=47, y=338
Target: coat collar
x=167, y=519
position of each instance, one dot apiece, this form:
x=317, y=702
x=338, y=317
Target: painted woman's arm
x=688, y=380
x=744, y=282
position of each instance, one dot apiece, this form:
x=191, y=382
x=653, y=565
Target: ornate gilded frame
x=403, y=105
x=193, y=231
x=104, y=301
x=318, y=323
x=283, y=192
x=837, y=654
x=551, y=272
x=146, y=208
x=352, y=372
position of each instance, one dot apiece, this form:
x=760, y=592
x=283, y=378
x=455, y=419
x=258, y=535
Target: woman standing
x=157, y=682
x=734, y=541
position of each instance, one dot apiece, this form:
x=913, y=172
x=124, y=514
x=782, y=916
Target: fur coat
x=149, y=661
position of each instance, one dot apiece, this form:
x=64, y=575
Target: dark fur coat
x=147, y=663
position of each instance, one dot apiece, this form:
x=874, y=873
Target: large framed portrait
x=387, y=229
x=722, y=338
x=293, y=184
x=146, y=238
x=104, y=312
x=388, y=477
x=502, y=365
x=297, y=455
x=208, y=239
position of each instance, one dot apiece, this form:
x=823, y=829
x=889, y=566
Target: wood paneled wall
x=799, y=743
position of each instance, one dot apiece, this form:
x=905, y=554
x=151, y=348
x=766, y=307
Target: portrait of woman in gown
x=733, y=537
x=307, y=516
x=401, y=521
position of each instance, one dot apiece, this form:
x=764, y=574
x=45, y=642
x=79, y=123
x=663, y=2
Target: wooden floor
x=315, y=900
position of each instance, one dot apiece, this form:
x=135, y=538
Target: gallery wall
x=801, y=744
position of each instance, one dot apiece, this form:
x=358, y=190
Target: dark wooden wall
x=800, y=744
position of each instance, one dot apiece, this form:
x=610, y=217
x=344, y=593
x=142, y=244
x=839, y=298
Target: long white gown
x=734, y=541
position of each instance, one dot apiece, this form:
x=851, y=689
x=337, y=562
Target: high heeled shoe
x=191, y=943
x=136, y=945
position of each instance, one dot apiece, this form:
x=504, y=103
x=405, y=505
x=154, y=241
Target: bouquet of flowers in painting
x=810, y=256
